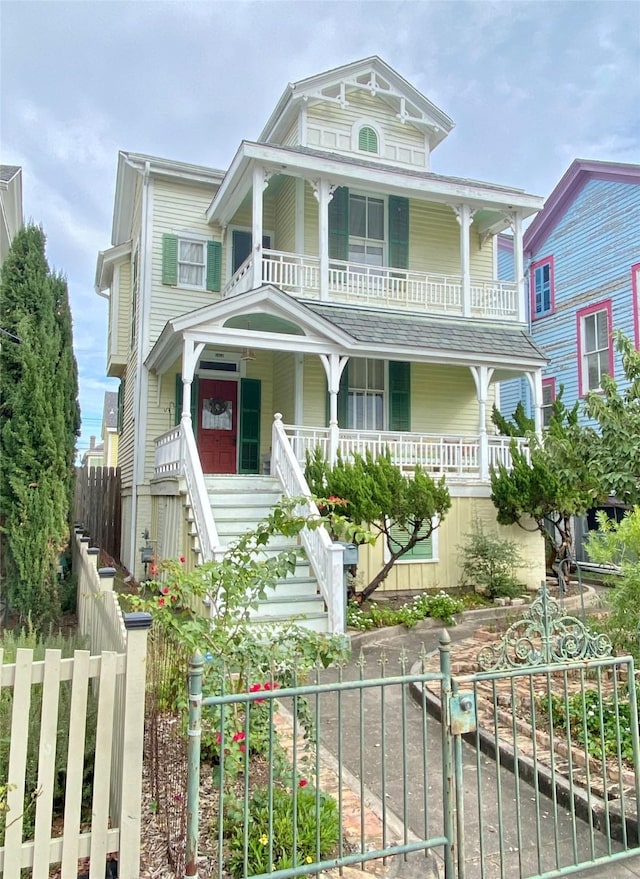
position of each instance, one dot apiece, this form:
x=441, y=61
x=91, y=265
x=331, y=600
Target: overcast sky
x=530, y=86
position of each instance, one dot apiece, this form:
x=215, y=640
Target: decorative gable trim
x=565, y=193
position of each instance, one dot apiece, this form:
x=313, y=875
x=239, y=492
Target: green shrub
x=10, y=642
x=317, y=830
x=489, y=563
x=439, y=606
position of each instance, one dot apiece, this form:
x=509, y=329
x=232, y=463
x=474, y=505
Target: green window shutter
x=120, y=414
x=214, y=265
x=368, y=140
x=250, y=394
x=399, y=395
x=170, y=260
x=422, y=551
x=398, y=232
x=339, y=224
x=177, y=413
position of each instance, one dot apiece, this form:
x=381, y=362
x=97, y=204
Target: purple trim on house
x=635, y=302
x=603, y=305
x=550, y=383
x=577, y=175
x=532, y=288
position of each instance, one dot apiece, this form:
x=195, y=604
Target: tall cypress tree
x=39, y=420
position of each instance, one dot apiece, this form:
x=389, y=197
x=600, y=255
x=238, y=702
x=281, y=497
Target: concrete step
x=231, y=483
x=316, y=622
x=285, y=607
x=293, y=588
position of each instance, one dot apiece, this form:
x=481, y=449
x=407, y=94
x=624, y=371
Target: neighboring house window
x=548, y=397
x=366, y=230
x=595, y=349
x=120, y=416
x=425, y=550
x=365, y=402
x=542, y=288
x=134, y=298
x=368, y=139
x=190, y=262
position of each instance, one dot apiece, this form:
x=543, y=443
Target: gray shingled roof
x=7, y=172
x=110, y=410
x=417, y=331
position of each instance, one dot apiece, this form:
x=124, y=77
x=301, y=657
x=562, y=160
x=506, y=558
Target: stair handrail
x=325, y=556
x=198, y=494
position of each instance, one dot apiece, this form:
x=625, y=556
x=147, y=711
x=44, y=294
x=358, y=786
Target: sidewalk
x=509, y=852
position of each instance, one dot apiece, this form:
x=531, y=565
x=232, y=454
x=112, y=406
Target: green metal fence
x=522, y=764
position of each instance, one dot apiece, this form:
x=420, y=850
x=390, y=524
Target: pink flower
x=174, y=598
x=243, y=748
x=218, y=738
x=239, y=736
x=161, y=602
x=165, y=590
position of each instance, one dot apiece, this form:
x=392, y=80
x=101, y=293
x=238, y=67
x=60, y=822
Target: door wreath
x=218, y=407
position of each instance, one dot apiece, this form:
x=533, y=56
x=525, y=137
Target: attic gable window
x=367, y=140
x=191, y=262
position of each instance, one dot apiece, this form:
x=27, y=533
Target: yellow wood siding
x=446, y=573
x=311, y=228
x=434, y=238
x=315, y=393
x=331, y=127
x=123, y=317
x=443, y=400
x=125, y=449
x=284, y=386
x=177, y=208
x=285, y=216
x=291, y=138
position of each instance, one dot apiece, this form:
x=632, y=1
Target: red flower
x=161, y=602
x=239, y=736
x=303, y=782
x=154, y=570
x=174, y=598
x=271, y=686
x=165, y=590
x=182, y=559
x=243, y=748
x=218, y=738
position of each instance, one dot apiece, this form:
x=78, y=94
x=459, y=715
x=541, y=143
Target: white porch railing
x=176, y=454
x=324, y=556
x=457, y=457
x=383, y=286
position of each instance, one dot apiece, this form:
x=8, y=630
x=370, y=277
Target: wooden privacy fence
x=113, y=673
x=97, y=506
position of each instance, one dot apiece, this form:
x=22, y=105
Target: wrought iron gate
x=524, y=765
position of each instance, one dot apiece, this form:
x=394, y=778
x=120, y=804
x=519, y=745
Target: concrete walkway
x=491, y=834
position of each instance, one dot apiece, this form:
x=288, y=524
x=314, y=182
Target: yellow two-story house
x=327, y=289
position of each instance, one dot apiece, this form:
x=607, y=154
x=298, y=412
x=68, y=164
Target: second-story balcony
x=379, y=286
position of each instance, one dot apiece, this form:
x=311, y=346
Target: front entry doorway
x=217, y=425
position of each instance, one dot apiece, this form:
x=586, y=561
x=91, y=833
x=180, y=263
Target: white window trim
x=385, y=394
x=584, y=354
x=434, y=552
x=197, y=238
x=366, y=122
x=383, y=241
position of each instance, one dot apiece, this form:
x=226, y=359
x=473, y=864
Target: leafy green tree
x=615, y=449
x=39, y=420
x=550, y=483
x=405, y=510
x=518, y=425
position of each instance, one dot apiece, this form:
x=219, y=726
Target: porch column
x=464, y=216
x=482, y=377
x=518, y=262
x=323, y=193
x=334, y=365
x=190, y=355
x=535, y=383
x=260, y=182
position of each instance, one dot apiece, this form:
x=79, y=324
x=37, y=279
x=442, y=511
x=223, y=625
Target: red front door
x=217, y=425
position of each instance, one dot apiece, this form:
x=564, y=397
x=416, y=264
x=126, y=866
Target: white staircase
x=238, y=503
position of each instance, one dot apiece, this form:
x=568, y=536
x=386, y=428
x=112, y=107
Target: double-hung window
x=191, y=263
x=595, y=352
x=366, y=230
x=365, y=402
x=548, y=397
x=542, y=288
